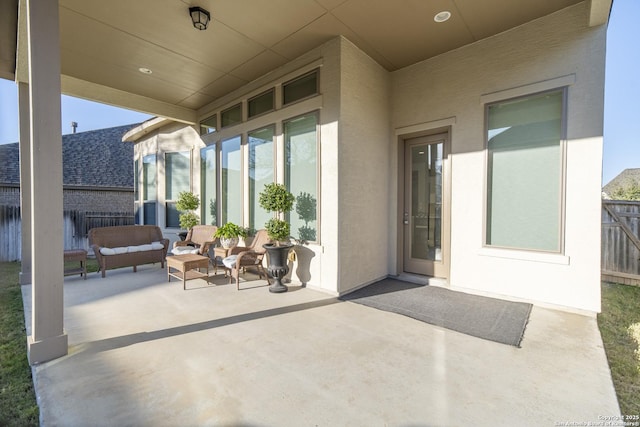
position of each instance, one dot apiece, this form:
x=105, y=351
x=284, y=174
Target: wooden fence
x=621, y=242
x=76, y=226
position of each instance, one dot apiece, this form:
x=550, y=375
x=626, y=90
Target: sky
x=621, y=118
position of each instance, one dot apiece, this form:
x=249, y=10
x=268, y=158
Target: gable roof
x=94, y=159
x=624, y=179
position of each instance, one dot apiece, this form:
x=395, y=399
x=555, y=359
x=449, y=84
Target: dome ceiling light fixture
x=200, y=17
x=442, y=16
x=145, y=70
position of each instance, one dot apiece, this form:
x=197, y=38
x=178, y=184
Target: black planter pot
x=278, y=268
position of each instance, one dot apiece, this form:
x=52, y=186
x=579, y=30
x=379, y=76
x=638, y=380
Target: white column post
x=24, y=112
x=47, y=340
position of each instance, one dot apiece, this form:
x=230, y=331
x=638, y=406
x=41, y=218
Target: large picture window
x=231, y=181
x=177, y=173
x=261, y=165
x=209, y=204
x=301, y=168
x=149, y=189
x=525, y=172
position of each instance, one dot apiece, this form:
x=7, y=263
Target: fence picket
x=620, y=257
x=76, y=227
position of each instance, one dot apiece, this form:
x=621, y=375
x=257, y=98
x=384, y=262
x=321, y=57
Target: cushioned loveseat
x=128, y=246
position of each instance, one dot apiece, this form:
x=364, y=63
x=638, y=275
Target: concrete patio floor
x=144, y=352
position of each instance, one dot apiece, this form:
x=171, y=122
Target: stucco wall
x=452, y=86
x=363, y=169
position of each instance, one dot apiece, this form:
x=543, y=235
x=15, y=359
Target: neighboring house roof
x=624, y=179
x=94, y=159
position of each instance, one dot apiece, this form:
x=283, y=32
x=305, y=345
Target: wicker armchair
x=241, y=257
x=198, y=240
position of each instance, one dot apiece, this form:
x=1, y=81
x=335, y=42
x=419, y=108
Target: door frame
x=402, y=137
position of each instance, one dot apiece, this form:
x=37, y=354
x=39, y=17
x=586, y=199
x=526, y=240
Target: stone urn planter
x=278, y=265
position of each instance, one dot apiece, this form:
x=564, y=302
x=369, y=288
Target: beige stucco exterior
x=554, y=51
x=365, y=111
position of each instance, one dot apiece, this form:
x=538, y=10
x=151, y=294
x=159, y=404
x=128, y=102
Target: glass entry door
x=424, y=206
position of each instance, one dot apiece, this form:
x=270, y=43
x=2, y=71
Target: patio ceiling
x=105, y=43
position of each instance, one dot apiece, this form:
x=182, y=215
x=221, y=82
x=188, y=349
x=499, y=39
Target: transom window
x=525, y=172
x=231, y=116
x=261, y=104
x=209, y=125
x=300, y=88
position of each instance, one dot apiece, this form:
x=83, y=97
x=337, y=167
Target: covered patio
x=135, y=348
x=143, y=351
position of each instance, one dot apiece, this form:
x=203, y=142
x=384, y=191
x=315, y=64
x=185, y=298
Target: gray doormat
x=488, y=318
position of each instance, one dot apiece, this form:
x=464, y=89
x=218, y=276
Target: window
x=261, y=164
x=209, y=125
x=300, y=88
x=177, y=179
x=231, y=116
x=231, y=181
x=149, y=189
x=208, y=204
x=525, y=172
x=261, y=104
x=136, y=192
x=301, y=152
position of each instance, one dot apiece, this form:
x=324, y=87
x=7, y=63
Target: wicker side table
x=76, y=255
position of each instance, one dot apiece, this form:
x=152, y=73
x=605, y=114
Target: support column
x=47, y=340
x=24, y=112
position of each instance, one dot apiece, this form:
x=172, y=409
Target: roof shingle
x=96, y=158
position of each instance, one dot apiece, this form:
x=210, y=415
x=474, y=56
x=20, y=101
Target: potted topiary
x=187, y=203
x=229, y=234
x=277, y=199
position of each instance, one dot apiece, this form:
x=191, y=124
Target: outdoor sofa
x=128, y=246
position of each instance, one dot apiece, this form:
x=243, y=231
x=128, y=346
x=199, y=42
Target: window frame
x=270, y=91
x=318, y=176
x=205, y=129
x=215, y=148
x=247, y=174
x=227, y=110
x=147, y=203
x=514, y=96
x=316, y=92
x=169, y=204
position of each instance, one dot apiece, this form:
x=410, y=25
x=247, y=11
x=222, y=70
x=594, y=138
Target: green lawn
x=619, y=325
x=18, y=405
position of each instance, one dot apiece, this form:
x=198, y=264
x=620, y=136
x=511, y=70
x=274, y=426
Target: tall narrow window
x=209, y=205
x=525, y=179
x=301, y=168
x=149, y=189
x=260, y=173
x=177, y=179
x=136, y=192
x=231, y=181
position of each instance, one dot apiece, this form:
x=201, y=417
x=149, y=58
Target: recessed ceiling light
x=442, y=16
x=144, y=70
